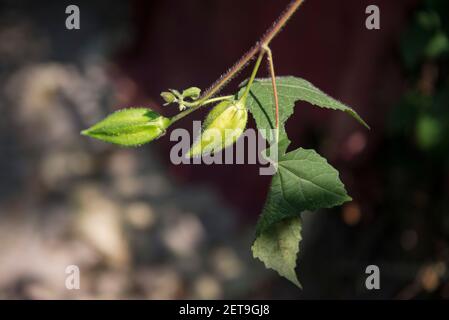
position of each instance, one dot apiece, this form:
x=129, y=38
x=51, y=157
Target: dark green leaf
x=278, y=247
x=290, y=89
x=304, y=181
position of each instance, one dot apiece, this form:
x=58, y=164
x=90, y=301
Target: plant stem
x=183, y=114
x=240, y=64
x=275, y=91
x=264, y=41
x=253, y=76
x=195, y=105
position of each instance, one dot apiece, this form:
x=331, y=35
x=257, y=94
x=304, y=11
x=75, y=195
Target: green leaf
x=278, y=247
x=168, y=97
x=290, y=89
x=192, y=93
x=129, y=127
x=304, y=181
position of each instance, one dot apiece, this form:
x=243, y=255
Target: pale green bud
x=222, y=127
x=129, y=127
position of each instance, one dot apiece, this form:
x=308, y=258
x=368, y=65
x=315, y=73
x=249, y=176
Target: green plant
x=303, y=179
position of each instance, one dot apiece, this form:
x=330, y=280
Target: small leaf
x=304, y=181
x=129, y=127
x=192, y=93
x=278, y=247
x=176, y=93
x=168, y=97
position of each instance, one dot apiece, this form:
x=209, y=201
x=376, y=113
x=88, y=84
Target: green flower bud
x=129, y=127
x=192, y=93
x=168, y=97
x=222, y=127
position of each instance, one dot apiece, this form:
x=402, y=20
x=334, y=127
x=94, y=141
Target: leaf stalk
x=275, y=91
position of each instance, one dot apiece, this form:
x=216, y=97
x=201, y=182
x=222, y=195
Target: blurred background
x=139, y=227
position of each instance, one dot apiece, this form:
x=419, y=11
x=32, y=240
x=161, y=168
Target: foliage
x=303, y=181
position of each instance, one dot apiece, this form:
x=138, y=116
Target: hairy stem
x=195, y=105
x=240, y=64
x=275, y=90
x=253, y=76
x=264, y=41
x=209, y=101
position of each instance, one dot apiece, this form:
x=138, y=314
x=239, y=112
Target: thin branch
x=253, y=75
x=239, y=65
x=273, y=83
x=264, y=41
